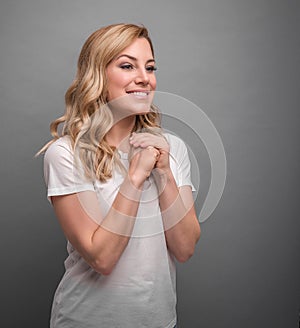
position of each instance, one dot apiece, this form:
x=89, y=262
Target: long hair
x=87, y=118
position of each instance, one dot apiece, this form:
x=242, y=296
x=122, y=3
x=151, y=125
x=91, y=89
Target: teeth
x=139, y=93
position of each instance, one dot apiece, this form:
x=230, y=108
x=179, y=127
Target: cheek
x=153, y=83
x=116, y=84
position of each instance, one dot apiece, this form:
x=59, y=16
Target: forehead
x=139, y=47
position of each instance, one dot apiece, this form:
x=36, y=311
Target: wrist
x=131, y=188
x=165, y=173
x=136, y=180
x=162, y=178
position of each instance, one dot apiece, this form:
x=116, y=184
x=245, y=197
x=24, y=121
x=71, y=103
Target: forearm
x=99, y=237
x=110, y=238
x=181, y=226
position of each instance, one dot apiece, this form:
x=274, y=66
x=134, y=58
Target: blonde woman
x=127, y=219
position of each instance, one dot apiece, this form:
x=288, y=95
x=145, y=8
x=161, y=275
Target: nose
x=142, y=77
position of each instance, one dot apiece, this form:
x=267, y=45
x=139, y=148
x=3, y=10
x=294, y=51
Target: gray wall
x=239, y=62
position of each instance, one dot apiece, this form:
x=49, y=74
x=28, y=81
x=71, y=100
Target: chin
x=128, y=105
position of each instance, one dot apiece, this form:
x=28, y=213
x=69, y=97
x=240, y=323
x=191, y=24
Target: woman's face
x=130, y=75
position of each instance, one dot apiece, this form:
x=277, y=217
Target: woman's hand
x=182, y=229
x=145, y=139
x=142, y=162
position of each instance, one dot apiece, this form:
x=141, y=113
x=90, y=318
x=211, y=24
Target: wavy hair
x=87, y=118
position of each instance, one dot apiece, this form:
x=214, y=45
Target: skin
x=182, y=229
x=99, y=246
x=124, y=75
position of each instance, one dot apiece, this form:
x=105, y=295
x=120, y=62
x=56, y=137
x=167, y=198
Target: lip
x=139, y=94
x=147, y=92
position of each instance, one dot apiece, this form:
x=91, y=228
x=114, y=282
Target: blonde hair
x=87, y=118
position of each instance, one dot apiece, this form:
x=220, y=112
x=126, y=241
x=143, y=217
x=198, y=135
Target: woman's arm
x=182, y=229
x=102, y=245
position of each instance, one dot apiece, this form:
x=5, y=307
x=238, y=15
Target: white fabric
x=141, y=290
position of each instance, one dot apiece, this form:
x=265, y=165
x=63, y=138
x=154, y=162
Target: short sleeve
x=180, y=161
x=61, y=175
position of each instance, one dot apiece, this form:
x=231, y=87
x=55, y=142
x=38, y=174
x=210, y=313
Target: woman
x=121, y=193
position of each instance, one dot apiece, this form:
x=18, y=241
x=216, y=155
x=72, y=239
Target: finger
x=142, y=144
x=145, y=142
x=141, y=136
x=146, y=139
x=154, y=151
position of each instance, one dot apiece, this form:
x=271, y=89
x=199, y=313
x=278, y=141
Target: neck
x=118, y=135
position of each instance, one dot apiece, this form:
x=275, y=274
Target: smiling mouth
x=139, y=93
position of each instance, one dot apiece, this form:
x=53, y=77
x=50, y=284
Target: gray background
x=239, y=62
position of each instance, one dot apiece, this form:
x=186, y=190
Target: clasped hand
x=145, y=140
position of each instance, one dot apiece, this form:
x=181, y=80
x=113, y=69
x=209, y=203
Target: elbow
x=182, y=258
x=103, y=267
x=185, y=255
x=188, y=250
x=198, y=233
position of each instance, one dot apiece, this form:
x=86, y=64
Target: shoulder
x=63, y=144
x=59, y=149
x=175, y=142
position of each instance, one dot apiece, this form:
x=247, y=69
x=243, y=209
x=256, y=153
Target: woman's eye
x=151, y=68
x=126, y=66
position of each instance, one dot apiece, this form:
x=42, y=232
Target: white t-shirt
x=141, y=290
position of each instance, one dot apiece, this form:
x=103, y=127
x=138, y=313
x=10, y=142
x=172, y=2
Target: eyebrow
x=135, y=59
